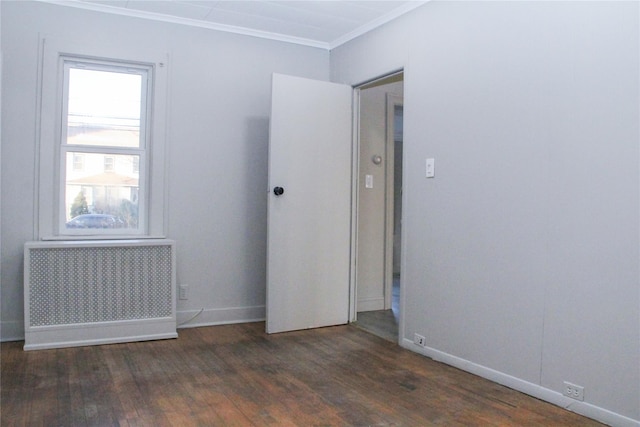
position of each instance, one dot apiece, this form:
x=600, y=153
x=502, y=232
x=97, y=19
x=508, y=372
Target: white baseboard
x=220, y=316
x=588, y=410
x=370, y=304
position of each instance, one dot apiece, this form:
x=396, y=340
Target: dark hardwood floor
x=236, y=375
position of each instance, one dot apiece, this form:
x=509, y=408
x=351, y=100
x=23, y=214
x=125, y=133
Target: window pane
x=104, y=108
x=100, y=198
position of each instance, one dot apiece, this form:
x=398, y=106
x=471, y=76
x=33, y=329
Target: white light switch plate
x=368, y=181
x=430, y=170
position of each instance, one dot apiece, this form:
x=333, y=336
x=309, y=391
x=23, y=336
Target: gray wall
x=218, y=133
x=521, y=257
x=1, y=58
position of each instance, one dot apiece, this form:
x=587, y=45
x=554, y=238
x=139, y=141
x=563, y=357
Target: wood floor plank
x=236, y=375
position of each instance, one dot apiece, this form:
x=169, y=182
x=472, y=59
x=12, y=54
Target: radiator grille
x=99, y=284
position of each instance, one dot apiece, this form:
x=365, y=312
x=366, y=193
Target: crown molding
x=97, y=7
x=408, y=7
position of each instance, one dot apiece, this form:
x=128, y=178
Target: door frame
x=355, y=170
x=392, y=100
x=355, y=173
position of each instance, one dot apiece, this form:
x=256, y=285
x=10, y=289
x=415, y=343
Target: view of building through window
x=104, y=146
x=96, y=190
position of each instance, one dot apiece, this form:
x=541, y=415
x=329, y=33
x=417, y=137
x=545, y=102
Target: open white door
x=309, y=223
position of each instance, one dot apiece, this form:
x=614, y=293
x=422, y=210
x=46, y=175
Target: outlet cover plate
x=183, y=292
x=573, y=391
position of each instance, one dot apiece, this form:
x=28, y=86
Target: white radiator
x=98, y=292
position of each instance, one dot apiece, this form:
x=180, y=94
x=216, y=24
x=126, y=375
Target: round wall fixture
x=376, y=159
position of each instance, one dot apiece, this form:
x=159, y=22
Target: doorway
x=379, y=206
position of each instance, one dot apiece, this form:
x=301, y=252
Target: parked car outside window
x=95, y=221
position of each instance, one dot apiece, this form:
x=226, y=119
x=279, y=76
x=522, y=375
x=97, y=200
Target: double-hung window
x=102, y=142
x=104, y=120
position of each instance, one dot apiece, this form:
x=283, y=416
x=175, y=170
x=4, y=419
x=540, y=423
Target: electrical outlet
x=183, y=292
x=573, y=391
x=419, y=340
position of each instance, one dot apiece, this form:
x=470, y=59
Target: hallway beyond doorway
x=383, y=323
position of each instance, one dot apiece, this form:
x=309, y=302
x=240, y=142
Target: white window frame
x=110, y=152
x=56, y=54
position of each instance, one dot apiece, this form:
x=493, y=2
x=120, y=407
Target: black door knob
x=278, y=191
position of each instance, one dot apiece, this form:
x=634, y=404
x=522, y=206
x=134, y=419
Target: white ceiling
x=324, y=24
